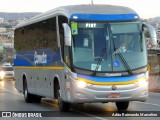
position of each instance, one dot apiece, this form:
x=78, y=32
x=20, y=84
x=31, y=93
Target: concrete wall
x=154, y=67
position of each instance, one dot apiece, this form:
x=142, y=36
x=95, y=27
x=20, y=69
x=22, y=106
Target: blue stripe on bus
x=112, y=79
x=27, y=58
x=108, y=17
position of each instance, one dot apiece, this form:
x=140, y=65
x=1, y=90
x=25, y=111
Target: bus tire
x=37, y=99
x=63, y=106
x=122, y=105
x=27, y=96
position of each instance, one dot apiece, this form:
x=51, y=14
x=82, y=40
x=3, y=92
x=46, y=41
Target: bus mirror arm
x=152, y=33
x=67, y=34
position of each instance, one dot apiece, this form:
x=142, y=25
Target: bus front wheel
x=122, y=105
x=63, y=106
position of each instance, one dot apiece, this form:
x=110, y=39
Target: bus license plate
x=113, y=95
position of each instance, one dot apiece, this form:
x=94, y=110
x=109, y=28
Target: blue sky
x=145, y=8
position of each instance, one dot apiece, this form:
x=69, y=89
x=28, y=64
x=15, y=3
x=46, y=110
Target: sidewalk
x=155, y=90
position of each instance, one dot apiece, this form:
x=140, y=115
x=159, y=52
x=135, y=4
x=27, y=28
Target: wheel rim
x=25, y=93
x=59, y=100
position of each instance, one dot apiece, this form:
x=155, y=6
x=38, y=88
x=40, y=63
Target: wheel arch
x=24, y=79
x=56, y=84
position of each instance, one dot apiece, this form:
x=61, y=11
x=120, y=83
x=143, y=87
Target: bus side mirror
x=67, y=34
x=152, y=33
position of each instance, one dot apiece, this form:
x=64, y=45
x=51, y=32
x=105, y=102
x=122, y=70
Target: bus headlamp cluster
x=81, y=84
x=2, y=74
x=142, y=82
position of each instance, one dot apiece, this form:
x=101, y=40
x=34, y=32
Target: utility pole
x=91, y=2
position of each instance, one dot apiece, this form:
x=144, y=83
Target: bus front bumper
x=107, y=93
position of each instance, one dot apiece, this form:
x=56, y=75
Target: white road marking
x=90, y=115
x=12, y=92
x=96, y=117
x=147, y=103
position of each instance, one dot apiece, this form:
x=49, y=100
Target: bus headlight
x=81, y=84
x=142, y=82
x=2, y=74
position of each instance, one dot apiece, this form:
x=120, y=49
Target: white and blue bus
x=72, y=54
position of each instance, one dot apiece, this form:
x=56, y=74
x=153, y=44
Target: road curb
x=154, y=94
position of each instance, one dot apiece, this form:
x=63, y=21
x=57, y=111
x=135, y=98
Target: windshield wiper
x=100, y=59
x=123, y=61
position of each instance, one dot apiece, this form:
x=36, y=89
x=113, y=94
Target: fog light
x=81, y=84
x=80, y=96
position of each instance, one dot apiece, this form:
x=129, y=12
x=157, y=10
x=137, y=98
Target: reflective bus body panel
x=42, y=63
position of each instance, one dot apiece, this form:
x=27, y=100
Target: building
x=2, y=29
x=1, y=20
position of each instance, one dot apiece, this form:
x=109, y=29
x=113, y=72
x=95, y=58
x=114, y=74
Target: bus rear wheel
x=27, y=96
x=36, y=99
x=30, y=97
x=122, y=105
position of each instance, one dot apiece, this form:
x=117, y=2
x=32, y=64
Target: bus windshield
x=96, y=45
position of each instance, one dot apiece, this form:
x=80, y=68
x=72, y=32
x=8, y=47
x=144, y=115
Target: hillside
x=15, y=16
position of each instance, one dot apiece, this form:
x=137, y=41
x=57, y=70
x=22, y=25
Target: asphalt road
x=13, y=101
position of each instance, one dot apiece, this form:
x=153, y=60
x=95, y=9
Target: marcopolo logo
x=112, y=74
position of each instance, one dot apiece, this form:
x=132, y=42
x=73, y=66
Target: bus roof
x=80, y=11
